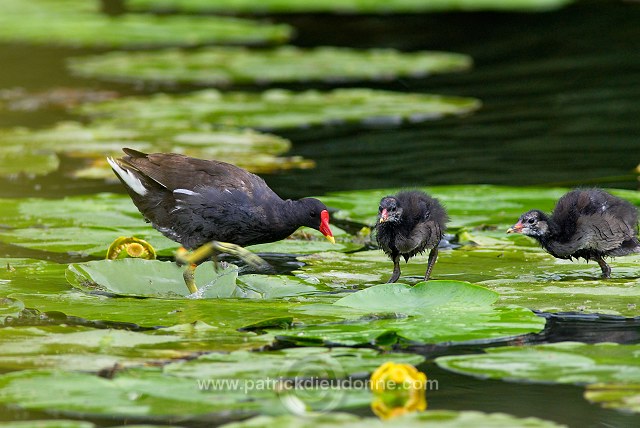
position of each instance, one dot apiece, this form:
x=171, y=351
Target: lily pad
x=54, y=423
x=336, y=363
x=36, y=152
x=278, y=109
x=615, y=396
x=342, y=6
x=87, y=349
x=430, y=312
x=431, y=418
x=153, y=278
x=239, y=66
x=523, y=275
x=78, y=23
x=564, y=362
x=148, y=393
x=139, y=277
x=9, y=308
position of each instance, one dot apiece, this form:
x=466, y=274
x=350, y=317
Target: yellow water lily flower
x=398, y=389
x=133, y=247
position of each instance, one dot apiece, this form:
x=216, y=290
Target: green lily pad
x=564, y=362
x=36, y=152
x=148, y=393
x=342, y=6
x=213, y=383
x=229, y=66
x=431, y=418
x=143, y=394
x=308, y=241
x=9, y=308
x=78, y=23
x=524, y=276
x=54, y=423
x=139, y=277
x=87, y=349
x=277, y=109
x=615, y=396
x=299, y=363
x=153, y=278
x=430, y=312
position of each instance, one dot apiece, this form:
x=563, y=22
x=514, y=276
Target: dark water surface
x=561, y=94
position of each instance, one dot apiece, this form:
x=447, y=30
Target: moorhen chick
x=587, y=223
x=211, y=206
x=410, y=223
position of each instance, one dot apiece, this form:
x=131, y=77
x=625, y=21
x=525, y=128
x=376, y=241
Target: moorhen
x=211, y=206
x=587, y=223
x=410, y=223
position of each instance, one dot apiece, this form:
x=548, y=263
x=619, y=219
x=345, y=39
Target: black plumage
x=585, y=223
x=410, y=223
x=195, y=201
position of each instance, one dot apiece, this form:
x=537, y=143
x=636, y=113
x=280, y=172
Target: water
x=560, y=95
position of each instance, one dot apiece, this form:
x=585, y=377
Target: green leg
x=213, y=248
x=189, y=277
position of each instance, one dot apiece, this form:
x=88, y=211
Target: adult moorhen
x=587, y=223
x=212, y=206
x=410, y=223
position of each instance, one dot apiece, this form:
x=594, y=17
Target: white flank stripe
x=186, y=192
x=128, y=177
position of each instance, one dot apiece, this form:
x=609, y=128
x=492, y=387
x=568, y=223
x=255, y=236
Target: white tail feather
x=128, y=177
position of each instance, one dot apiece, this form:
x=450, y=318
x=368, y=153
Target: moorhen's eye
x=313, y=214
x=379, y=209
x=531, y=220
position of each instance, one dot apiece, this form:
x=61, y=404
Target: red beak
x=324, y=226
x=384, y=215
x=517, y=228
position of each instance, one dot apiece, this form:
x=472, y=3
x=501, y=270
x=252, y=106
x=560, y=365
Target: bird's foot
x=215, y=247
x=189, y=278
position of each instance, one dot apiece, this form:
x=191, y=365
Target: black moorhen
x=212, y=206
x=410, y=223
x=587, y=223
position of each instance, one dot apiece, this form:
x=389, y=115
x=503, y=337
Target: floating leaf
x=430, y=312
x=564, y=362
x=432, y=419
x=615, y=396
x=213, y=383
x=37, y=151
x=342, y=6
x=54, y=423
x=524, y=276
x=144, y=394
x=152, y=278
x=139, y=277
x=277, y=109
x=307, y=241
x=19, y=99
x=233, y=66
x=78, y=23
x=86, y=349
x=9, y=308
x=301, y=363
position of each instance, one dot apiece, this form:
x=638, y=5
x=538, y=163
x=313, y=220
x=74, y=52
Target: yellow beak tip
x=331, y=239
